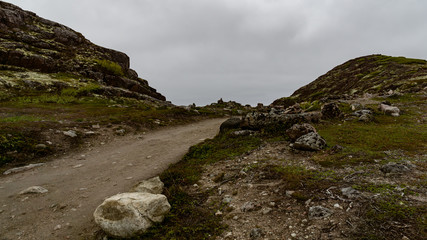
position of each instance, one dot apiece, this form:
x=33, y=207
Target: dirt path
x=77, y=184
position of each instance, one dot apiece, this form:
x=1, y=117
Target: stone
x=241, y=133
x=356, y=106
x=364, y=115
x=41, y=146
x=256, y=233
x=294, y=109
x=309, y=142
x=127, y=215
x=70, y=133
x=389, y=110
x=153, y=185
x=330, y=111
x=298, y=130
x=34, y=190
x=397, y=168
x=24, y=168
x=248, y=206
x=318, y=212
x=350, y=192
x=231, y=123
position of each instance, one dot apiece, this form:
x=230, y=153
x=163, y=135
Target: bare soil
x=78, y=182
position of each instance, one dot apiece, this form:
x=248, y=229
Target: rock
x=397, y=168
x=248, y=206
x=298, y=130
x=96, y=126
x=231, y=123
x=24, y=168
x=356, y=106
x=240, y=133
x=227, y=199
x=364, y=115
x=258, y=120
x=330, y=111
x=70, y=133
x=34, y=190
x=256, y=233
x=126, y=215
x=153, y=185
x=294, y=109
x=350, y=192
x=318, y=212
x=336, y=149
x=389, y=110
x=309, y=142
x=41, y=146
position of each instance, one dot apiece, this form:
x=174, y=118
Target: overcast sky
x=249, y=51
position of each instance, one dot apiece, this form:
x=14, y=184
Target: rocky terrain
x=373, y=74
x=344, y=157
x=46, y=56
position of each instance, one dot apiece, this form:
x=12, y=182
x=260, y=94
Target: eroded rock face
x=126, y=215
x=298, y=130
x=310, y=142
x=30, y=42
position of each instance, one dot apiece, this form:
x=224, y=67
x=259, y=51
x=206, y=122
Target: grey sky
x=248, y=51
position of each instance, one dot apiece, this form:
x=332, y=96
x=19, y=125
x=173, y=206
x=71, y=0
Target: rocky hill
x=374, y=74
x=40, y=54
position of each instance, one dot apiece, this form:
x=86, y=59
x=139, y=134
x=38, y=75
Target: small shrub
x=112, y=67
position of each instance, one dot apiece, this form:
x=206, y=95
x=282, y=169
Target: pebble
x=57, y=227
x=293, y=235
x=218, y=213
x=78, y=165
x=129, y=178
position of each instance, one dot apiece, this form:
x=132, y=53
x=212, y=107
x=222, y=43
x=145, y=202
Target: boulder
x=298, y=130
x=127, y=215
x=396, y=168
x=153, y=185
x=330, y=111
x=309, y=142
x=389, y=110
x=231, y=123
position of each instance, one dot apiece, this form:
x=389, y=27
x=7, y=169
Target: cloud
x=248, y=51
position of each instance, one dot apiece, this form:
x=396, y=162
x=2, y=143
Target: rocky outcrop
x=33, y=43
x=259, y=120
x=231, y=123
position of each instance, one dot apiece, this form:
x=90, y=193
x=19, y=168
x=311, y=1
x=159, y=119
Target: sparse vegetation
x=112, y=67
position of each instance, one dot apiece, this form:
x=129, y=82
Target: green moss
x=112, y=67
x=22, y=118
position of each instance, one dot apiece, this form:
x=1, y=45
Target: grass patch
x=111, y=67
x=365, y=142
x=188, y=219
x=390, y=217
x=23, y=118
x=381, y=59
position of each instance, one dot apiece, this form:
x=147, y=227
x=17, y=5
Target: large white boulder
x=126, y=215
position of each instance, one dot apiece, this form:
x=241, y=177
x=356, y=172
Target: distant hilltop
x=46, y=54
x=369, y=74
